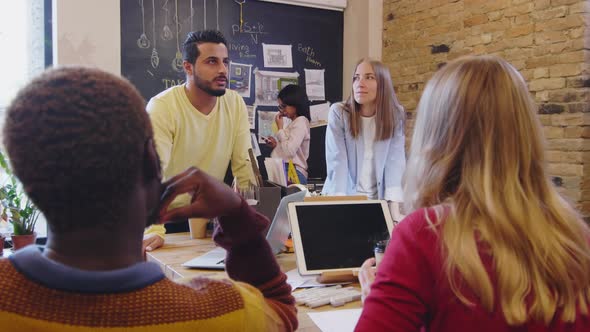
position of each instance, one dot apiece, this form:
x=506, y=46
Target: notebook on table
x=277, y=233
x=337, y=235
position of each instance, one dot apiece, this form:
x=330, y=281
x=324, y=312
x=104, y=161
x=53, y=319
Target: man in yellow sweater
x=81, y=143
x=200, y=123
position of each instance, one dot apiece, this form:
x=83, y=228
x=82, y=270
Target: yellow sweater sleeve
x=260, y=315
x=164, y=129
x=240, y=159
x=159, y=230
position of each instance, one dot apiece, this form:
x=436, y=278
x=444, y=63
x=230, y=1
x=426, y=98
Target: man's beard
x=206, y=86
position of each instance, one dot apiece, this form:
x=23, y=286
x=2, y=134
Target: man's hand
x=210, y=197
x=366, y=277
x=152, y=242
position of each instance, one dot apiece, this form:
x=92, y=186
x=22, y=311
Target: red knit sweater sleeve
x=250, y=259
x=402, y=293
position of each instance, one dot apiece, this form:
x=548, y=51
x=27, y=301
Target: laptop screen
x=280, y=228
x=336, y=236
x=277, y=234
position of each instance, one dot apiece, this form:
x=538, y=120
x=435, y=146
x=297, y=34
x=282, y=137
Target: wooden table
x=180, y=248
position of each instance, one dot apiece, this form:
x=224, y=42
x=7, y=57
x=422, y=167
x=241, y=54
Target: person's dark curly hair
x=190, y=49
x=75, y=138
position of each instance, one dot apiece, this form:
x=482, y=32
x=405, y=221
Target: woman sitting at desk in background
x=292, y=142
x=365, y=138
x=491, y=245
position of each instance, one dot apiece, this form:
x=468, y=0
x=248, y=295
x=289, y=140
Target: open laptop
x=277, y=234
x=337, y=235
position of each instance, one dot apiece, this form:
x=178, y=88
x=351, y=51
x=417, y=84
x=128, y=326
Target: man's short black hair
x=75, y=138
x=190, y=50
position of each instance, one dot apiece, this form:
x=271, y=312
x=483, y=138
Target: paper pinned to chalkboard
x=277, y=56
x=251, y=116
x=314, y=84
x=240, y=75
x=319, y=114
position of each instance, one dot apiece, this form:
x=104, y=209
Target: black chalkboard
x=152, y=32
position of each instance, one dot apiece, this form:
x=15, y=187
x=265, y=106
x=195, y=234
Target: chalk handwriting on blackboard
x=307, y=50
x=254, y=30
x=313, y=61
x=243, y=50
x=310, y=52
x=169, y=82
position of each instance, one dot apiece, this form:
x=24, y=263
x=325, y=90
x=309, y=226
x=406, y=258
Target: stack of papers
x=319, y=114
x=327, y=321
x=275, y=168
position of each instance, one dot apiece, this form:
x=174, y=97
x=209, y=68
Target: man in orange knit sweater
x=81, y=143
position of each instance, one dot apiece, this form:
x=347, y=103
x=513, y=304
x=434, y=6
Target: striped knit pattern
x=163, y=302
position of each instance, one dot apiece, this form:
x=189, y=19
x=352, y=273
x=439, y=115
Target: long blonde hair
x=477, y=155
x=389, y=113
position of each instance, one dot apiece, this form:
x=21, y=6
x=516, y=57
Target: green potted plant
x=17, y=209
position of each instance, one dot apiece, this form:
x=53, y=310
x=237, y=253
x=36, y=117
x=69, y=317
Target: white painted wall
x=363, y=31
x=88, y=32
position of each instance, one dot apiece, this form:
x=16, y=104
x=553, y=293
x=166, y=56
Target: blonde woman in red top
x=491, y=245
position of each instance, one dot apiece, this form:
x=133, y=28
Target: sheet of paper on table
x=336, y=320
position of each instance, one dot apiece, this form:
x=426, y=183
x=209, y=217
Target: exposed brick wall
x=548, y=41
